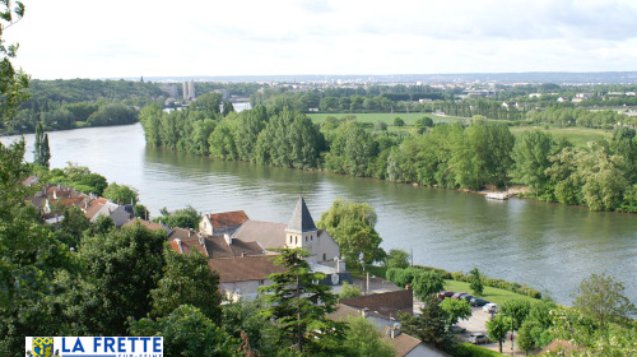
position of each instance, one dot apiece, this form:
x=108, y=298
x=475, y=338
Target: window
x=296, y=239
x=324, y=257
x=261, y=282
x=306, y=238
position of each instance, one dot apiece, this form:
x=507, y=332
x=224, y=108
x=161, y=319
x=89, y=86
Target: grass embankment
x=491, y=294
x=495, y=295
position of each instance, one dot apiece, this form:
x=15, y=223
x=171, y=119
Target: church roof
x=301, y=220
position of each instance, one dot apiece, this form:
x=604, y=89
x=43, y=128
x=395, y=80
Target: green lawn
x=577, y=136
x=495, y=295
x=468, y=349
x=388, y=118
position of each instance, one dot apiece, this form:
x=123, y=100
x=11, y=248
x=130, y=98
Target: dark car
x=478, y=302
x=445, y=294
x=458, y=295
x=467, y=297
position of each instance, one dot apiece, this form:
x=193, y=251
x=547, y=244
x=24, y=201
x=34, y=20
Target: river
x=547, y=246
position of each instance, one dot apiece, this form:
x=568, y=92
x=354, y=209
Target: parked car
x=478, y=338
x=478, y=302
x=457, y=329
x=467, y=297
x=445, y=294
x=458, y=295
x=490, y=308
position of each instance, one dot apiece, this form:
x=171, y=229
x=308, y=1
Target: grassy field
x=388, y=118
x=495, y=295
x=577, y=136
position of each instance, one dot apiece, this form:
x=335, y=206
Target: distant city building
x=189, y=90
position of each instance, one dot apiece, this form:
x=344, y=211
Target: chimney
x=178, y=241
x=201, y=239
x=243, y=254
x=227, y=238
x=189, y=233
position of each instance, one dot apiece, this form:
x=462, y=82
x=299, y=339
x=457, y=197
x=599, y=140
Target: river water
x=548, y=246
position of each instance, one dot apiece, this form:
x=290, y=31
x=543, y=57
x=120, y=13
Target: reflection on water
x=548, y=246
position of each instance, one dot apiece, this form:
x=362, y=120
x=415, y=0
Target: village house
x=382, y=311
x=242, y=250
x=51, y=200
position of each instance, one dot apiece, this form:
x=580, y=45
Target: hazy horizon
x=122, y=39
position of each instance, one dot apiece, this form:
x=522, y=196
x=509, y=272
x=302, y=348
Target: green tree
x=120, y=268
x=475, y=282
x=363, y=339
x=352, y=224
x=517, y=309
x=13, y=83
x=349, y=291
x=455, y=310
x=397, y=258
x=526, y=336
x=186, y=279
x=184, y=218
x=531, y=156
x=41, y=150
x=498, y=327
x=187, y=332
x=299, y=307
x=601, y=297
x=430, y=325
x=227, y=108
x=427, y=283
x=121, y=194
x=399, y=122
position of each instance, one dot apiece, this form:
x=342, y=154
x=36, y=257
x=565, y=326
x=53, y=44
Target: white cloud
x=78, y=38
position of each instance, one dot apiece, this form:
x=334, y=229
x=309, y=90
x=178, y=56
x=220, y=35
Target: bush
x=399, y=122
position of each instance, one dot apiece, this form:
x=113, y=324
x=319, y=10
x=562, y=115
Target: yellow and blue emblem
x=42, y=347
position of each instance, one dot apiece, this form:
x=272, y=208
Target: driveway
x=477, y=323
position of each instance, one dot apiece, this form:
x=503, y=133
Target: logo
x=115, y=346
x=41, y=347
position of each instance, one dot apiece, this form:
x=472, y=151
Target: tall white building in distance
x=189, y=91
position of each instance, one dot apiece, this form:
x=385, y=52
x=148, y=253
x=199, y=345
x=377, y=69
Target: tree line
x=454, y=156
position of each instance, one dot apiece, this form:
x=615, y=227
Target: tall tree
x=427, y=283
x=601, y=297
x=299, y=306
x=187, y=279
x=498, y=327
x=13, y=83
x=475, y=281
x=41, y=150
x=352, y=226
x=120, y=269
x=430, y=325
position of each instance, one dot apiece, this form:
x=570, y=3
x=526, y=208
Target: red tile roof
x=244, y=269
x=227, y=219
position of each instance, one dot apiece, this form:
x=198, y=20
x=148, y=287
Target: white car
x=490, y=308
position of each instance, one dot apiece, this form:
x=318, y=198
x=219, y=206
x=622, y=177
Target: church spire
x=301, y=220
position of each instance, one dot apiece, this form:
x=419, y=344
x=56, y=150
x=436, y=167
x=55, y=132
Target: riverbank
x=548, y=246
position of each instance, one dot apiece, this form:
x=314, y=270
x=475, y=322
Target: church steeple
x=301, y=220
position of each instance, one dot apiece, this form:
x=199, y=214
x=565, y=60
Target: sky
x=133, y=38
